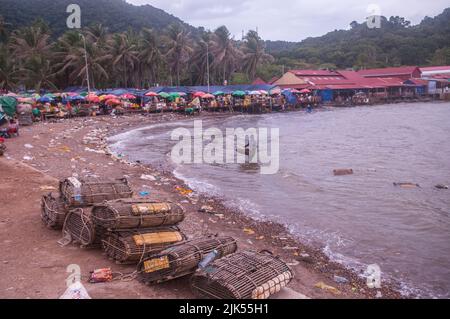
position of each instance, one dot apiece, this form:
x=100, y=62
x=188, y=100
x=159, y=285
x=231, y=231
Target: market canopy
x=239, y=93
x=8, y=105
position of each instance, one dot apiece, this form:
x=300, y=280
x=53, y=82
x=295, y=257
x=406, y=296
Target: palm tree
x=178, y=49
x=32, y=52
x=123, y=49
x=254, y=54
x=71, y=63
x=199, y=59
x=227, y=55
x=8, y=70
x=150, y=57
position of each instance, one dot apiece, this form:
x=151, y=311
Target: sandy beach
x=34, y=264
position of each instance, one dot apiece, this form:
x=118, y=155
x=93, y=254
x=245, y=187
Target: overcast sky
x=291, y=20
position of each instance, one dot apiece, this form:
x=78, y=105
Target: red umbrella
x=93, y=98
x=107, y=97
x=305, y=91
x=208, y=96
x=151, y=94
x=112, y=102
x=199, y=94
x=295, y=91
x=128, y=96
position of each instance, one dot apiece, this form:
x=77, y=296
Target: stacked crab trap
x=103, y=214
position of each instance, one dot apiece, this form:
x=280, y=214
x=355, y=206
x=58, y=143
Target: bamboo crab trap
x=244, y=275
x=53, y=211
x=134, y=213
x=86, y=193
x=129, y=247
x=183, y=259
x=80, y=229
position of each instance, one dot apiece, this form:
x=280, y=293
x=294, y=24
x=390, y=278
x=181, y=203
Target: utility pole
x=207, y=64
x=87, y=66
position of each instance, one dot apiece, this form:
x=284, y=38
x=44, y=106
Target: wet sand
x=35, y=265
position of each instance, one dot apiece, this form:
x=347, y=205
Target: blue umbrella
x=76, y=97
x=45, y=99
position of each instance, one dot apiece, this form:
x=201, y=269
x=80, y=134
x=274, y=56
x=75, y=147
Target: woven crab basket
x=133, y=214
x=133, y=246
x=80, y=228
x=244, y=275
x=85, y=193
x=53, y=211
x=183, y=259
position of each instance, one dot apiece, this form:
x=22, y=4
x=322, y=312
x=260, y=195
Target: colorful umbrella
x=255, y=93
x=128, y=96
x=151, y=94
x=164, y=95
x=218, y=93
x=304, y=91
x=198, y=94
x=264, y=92
x=112, y=102
x=93, y=98
x=208, y=96
x=107, y=97
x=77, y=98
x=275, y=91
x=25, y=100
x=239, y=93
x=45, y=99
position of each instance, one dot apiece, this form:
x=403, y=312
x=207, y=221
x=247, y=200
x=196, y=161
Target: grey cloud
x=291, y=20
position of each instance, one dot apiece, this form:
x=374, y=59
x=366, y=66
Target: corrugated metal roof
x=313, y=72
x=405, y=70
x=435, y=68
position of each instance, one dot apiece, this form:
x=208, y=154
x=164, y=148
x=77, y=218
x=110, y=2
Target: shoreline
x=70, y=151
x=291, y=248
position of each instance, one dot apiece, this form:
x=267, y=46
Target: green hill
x=117, y=15
x=395, y=43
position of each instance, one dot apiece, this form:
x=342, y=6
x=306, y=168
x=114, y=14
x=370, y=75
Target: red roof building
x=404, y=73
x=258, y=81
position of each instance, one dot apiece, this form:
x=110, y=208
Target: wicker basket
x=183, y=259
x=53, y=211
x=79, y=226
x=244, y=275
x=133, y=214
x=86, y=193
x=133, y=246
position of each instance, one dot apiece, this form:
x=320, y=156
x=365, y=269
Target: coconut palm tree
x=31, y=48
x=226, y=55
x=71, y=63
x=179, y=49
x=151, y=60
x=8, y=70
x=199, y=61
x=30, y=44
x=254, y=54
x=123, y=52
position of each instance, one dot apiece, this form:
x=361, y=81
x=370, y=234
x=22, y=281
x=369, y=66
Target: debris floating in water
x=343, y=172
x=407, y=185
